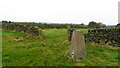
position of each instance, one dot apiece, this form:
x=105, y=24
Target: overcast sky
x=60, y=11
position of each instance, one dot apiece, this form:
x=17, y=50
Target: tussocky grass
x=50, y=50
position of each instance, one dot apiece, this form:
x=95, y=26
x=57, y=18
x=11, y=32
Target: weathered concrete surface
x=77, y=48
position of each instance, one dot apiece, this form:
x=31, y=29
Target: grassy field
x=20, y=49
x=0, y=48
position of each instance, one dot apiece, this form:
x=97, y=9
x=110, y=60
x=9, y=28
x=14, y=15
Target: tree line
x=91, y=25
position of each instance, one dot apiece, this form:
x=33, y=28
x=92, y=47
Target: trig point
x=77, y=47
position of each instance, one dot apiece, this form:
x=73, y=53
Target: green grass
x=85, y=31
x=50, y=50
x=0, y=48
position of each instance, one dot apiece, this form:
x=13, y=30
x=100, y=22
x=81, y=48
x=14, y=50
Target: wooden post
x=77, y=48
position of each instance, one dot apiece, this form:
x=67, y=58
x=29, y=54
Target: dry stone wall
x=104, y=36
x=69, y=33
x=33, y=30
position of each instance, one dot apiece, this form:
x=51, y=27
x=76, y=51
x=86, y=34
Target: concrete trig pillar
x=77, y=47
